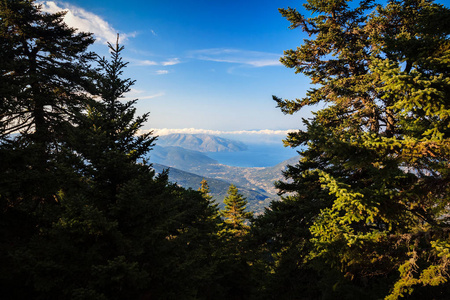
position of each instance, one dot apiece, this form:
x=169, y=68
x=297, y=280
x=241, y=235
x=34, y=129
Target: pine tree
x=122, y=233
x=44, y=69
x=372, y=186
x=107, y=137
x=235, y=216
x=45, y=76
x=234, y=260
x=205, y=191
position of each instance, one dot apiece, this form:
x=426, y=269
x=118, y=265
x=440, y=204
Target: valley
x=187, y=167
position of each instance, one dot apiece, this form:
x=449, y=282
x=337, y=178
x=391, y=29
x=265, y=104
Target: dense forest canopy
x=363, y=214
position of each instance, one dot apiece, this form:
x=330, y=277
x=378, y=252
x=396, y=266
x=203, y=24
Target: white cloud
x=166, y=131
x=236, y=56
x=162, y=72
x=152, y=96
x=85, y=21
x=171, y=62
x=138, y=62
x=141, y=95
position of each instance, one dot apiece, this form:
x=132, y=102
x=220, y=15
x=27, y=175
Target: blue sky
x=201, y=65
x=207, y=65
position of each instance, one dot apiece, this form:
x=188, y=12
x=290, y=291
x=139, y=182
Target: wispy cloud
x=140, y=62
x=145, y=62
x=166, y=131
x=141, y=95
x=162, y=72
x=236, y=56
x=85, y=21
x=152, y=96
x=171, y=62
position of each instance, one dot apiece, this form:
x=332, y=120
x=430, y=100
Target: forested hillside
x=362, y=214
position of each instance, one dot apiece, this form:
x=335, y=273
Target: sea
x=257, y=155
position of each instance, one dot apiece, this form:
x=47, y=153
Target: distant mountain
x=180, y=158
x=201, y=142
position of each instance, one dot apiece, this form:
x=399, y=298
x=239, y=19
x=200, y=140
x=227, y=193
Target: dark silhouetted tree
x=104, y=227
x=45, y=75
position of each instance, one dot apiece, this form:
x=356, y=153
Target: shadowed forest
x=364, y=213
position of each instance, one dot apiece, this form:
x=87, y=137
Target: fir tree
x=108, y=228
x=235, y=216
x=372, y=187
x=45, y=76
x=43, y=71
x=205, y=191
x=108, y=136
x=233, y=252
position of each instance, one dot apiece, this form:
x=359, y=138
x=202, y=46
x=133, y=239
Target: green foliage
x=372, y=187
x=44, y=70
x=82, y=215
x=234, y=257
x=235, y=214
x=44, y=79
x=205, y=191
x=107, y=138
x=363, y=214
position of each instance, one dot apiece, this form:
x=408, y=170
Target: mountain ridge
x=201, y=142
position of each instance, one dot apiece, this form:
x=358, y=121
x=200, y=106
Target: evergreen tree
x=43, y=71
x=44, y=80
x=123, y=233
x=369, y=214
x=235, y=216
x=213, y=206
x=45, y=75
x=233, y=252
x=106, y=227
x=107, y=137
x=204, y=190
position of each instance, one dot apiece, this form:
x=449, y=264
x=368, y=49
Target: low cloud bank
x=262, y=136
x=166, y=131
